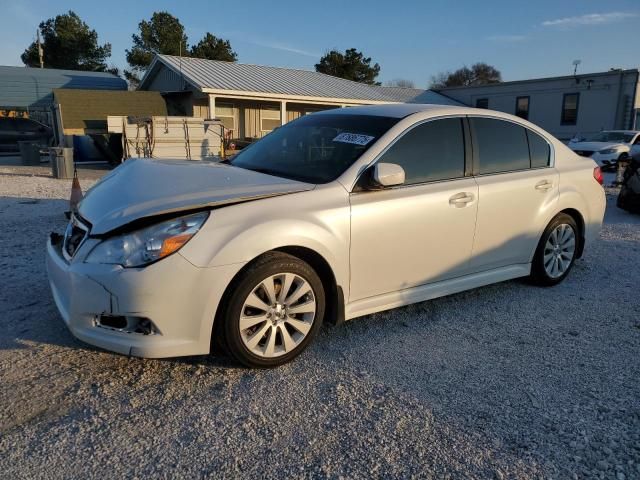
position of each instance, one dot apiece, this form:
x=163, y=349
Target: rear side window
x=539, y=149
x=429, y=152
x=501, y=146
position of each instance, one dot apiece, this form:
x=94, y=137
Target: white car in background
x=607, y=147
x=333, y=216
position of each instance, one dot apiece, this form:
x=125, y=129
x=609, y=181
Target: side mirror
x=388, y=174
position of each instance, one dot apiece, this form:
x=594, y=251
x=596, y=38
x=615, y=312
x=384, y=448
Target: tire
x=555, y=243
x=272, y=334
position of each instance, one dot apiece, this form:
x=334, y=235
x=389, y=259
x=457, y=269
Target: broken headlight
x=149, y=244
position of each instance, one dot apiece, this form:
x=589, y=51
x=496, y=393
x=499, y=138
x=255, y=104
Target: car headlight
x=149, y=244
x=609, y=151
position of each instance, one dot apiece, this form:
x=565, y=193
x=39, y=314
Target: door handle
x=544, y=185
x=461, y=199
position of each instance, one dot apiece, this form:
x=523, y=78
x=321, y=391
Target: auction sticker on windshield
x=355, y=138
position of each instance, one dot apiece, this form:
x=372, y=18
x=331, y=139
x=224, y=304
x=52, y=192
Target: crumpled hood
x=595, y=146
x=142, y=188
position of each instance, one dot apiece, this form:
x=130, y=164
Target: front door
x=422, y=231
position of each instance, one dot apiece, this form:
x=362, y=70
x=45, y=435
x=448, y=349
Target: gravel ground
x=507, y=381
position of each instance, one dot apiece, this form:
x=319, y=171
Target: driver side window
x=430, y=152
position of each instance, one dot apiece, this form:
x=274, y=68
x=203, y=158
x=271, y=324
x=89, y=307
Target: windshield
x=612, y=137
x=315, y=148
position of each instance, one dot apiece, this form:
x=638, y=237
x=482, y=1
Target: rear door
x=517, y=188
x=422, y=231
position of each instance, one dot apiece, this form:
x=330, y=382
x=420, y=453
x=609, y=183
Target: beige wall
x=253, y=119
x=201, y=107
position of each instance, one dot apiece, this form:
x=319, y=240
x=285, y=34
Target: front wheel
x=274, y=310
x=556, y=251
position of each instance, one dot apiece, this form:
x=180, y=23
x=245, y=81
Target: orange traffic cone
x=76, y=192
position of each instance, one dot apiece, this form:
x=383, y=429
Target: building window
x=482, y=103
x=569, y=108
x=269, y=118
x=522, y=107
x=224, y=111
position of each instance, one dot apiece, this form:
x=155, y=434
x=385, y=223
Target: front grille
x=74, y=235
x=584, y=153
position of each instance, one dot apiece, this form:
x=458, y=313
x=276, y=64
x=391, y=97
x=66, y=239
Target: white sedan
x=333, y=216
x=608, y=146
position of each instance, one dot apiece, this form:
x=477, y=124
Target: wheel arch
x=334, y=311
x=579, y=219
x=335, y=303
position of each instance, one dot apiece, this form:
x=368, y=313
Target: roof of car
x=631, y=132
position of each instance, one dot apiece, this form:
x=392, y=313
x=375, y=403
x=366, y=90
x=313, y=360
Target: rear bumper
x=179, y=298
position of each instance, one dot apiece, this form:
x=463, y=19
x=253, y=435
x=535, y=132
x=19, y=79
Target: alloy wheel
x=559, y=250
x=277, y=315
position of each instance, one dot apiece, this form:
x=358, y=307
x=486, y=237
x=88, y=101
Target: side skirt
x=429, y=291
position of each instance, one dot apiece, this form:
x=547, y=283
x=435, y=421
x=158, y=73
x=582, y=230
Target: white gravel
x=507, y=381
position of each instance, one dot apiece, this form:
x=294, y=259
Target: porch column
x=212, y=106
x=283, y=112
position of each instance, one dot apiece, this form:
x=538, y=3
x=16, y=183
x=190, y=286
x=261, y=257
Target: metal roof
x=32, y=87
x=238, y=77
x=573, y=78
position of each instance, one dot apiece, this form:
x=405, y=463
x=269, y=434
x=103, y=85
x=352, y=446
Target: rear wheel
x=275, y=308
x=556, y=251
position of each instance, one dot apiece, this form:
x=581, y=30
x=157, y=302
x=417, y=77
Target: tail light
x=597, y=174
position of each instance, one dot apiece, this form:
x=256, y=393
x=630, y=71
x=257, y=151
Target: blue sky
x=411, y=40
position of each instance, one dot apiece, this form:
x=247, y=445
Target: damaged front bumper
x=177, y=299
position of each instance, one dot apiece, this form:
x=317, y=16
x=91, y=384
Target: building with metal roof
x=252, y=100
x=26, y=88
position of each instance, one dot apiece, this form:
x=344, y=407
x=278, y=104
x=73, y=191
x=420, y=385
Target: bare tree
x=478, y=74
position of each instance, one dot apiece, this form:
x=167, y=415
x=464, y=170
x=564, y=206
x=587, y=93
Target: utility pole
x=40, y=49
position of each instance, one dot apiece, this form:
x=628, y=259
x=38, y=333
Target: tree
x=352, y=65
x=162, y=34
x=68, y=43
x=214, y=48
x=400, y=82
x=479, y=74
